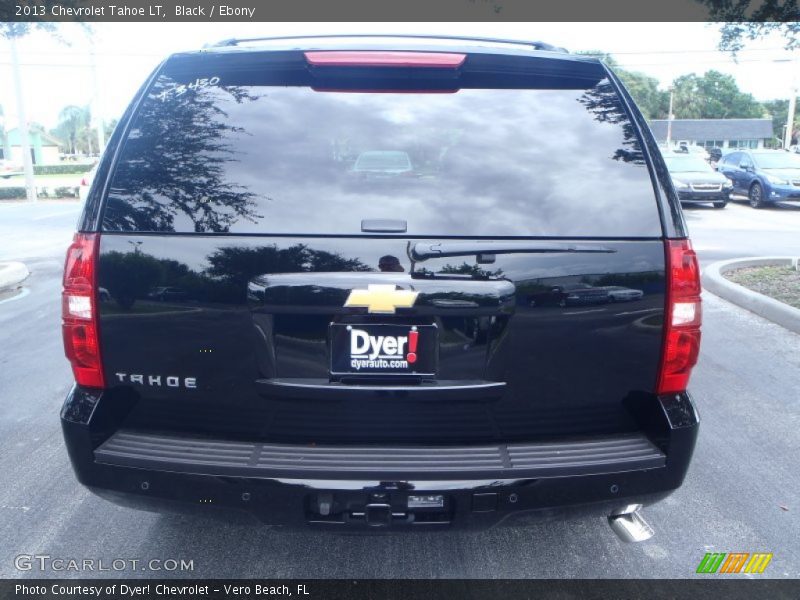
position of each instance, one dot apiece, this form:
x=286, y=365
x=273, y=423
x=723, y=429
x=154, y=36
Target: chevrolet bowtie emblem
x=382, y=299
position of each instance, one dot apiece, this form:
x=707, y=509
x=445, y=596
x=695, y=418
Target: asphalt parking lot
x=742, y=492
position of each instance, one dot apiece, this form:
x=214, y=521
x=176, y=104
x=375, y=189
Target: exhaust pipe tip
x=629, y=525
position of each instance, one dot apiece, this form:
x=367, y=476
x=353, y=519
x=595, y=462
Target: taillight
x=682, y=318
x=370, y=58
x=79, y=311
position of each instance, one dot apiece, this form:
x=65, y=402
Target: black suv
x=360, y=351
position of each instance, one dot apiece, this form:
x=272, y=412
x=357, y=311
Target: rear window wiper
x=485, y=251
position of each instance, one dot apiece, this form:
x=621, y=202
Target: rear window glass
x=684, y=164
x=777, y=160
x=213, y=153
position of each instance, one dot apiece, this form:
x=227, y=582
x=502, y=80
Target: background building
x=715, y=133
x=44, y=147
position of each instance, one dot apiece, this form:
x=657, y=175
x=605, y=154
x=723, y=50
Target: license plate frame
x=342, y=357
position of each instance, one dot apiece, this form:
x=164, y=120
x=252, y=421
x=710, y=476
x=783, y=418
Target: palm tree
x=72, y=122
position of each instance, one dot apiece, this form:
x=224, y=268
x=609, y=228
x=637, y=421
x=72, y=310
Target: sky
x=55, y=74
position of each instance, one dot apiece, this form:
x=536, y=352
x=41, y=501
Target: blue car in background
x=764, y=176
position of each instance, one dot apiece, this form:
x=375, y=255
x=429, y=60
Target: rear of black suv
x=358, y=236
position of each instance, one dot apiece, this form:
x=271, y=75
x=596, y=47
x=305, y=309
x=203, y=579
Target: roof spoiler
x=533, y=45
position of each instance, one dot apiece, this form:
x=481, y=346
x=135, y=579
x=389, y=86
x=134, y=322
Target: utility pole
x=27, y=160
x=97, y=109
x=787, y=139
x=669, y=119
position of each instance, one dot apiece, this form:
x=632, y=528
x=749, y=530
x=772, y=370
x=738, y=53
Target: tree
x=602, y=101
x=73, y=122
x=713, y=95
x=473, y=270
x=778, y=110
x=741, y=23
x=109, y=126
x=232, y=267
x=653, y=103
x=75, y=130
x=129, y=275
x=175, y=166
x=21, y=29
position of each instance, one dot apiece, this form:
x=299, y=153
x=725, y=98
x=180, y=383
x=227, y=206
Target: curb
x=764, y=306
x=11, y=274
